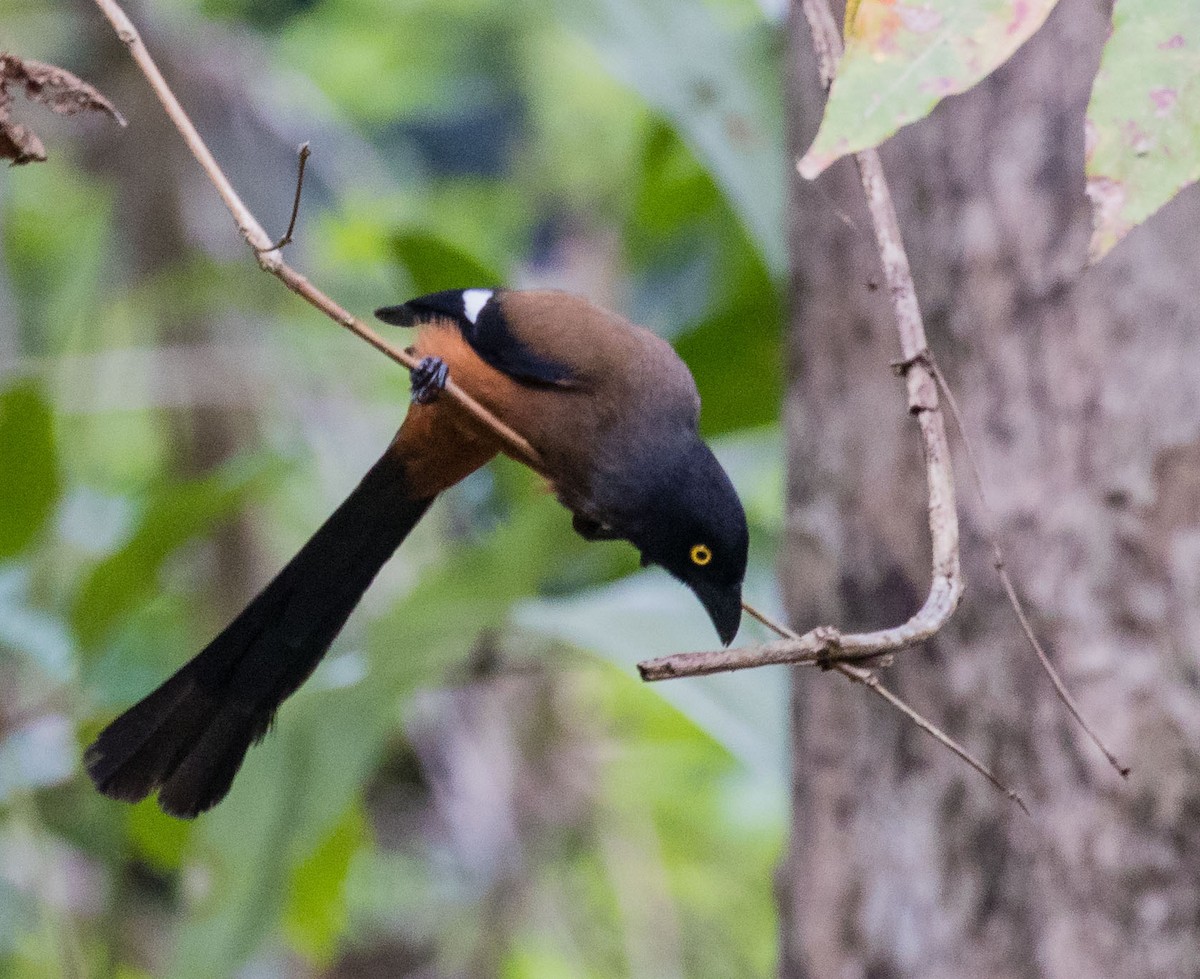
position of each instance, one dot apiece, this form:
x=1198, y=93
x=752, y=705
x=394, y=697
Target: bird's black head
x=697, y=531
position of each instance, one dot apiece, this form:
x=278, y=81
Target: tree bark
x=1081, y=392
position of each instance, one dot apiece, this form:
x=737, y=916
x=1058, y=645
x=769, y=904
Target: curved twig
x=304, y=153
x=826, y=645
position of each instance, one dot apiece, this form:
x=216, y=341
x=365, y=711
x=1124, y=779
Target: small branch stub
x=304, y=153
x=269, y=258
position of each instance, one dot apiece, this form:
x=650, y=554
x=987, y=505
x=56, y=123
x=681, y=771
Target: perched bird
x=612, y=411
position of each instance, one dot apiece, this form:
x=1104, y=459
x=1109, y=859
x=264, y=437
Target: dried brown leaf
x=19, y=144
x=55, y=88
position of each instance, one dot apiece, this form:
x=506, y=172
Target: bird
x=611, y=410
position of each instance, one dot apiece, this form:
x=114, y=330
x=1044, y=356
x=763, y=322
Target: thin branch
x=822, y=646
x=872, y=683
x=305, y=153
x=868, y=679
x=826, y=644
x=1001, y=566
x=270, y=259
x=826, y=38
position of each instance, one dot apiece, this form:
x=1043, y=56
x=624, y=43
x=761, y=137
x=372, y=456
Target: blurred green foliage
x=474, y=782
x=31, y=483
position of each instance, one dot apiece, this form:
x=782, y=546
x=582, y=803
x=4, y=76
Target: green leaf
x=527, y=960
x=316, y=905
x=176, y=514
x=436, y=264
x=19, y=917
x=1143, y=121
x=158, y=839
x=675, y=189
x=904, y=56
x=704, y=284
x=650, y=615
x=718, y=86
x=735, y=352
x=286, y=801
x=29, y=480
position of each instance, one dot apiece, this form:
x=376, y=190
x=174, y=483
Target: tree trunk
x=1081, y=393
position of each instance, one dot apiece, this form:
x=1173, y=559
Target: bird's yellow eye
x=701, y=555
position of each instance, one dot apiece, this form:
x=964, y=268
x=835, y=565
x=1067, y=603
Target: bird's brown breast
x=627, y=397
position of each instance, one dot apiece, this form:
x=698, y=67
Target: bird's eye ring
x=701, y=554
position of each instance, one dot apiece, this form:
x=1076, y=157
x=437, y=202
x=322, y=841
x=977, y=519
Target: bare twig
x=305, y=153
x=269, y=258
x=826, y=38
x=872, y=683
x=868, y=679
x=998, y=562
x=825, y=644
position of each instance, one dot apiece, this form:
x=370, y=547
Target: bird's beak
x=724, y=607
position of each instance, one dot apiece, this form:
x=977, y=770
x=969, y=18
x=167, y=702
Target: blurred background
x=474, y=783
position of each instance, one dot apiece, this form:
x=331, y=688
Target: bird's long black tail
x=188, y=738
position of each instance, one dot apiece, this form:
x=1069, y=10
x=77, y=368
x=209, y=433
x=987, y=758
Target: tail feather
x=188, y=737
x=131, y=757
x=204, y=775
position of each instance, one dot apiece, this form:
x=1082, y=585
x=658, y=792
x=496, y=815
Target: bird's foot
x=429, y=379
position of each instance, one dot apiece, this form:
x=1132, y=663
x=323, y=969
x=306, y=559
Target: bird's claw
x=429, y=379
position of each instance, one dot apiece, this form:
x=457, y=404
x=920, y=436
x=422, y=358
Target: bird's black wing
x=478, y=314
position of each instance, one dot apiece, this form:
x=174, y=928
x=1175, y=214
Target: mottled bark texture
x=1081, y=390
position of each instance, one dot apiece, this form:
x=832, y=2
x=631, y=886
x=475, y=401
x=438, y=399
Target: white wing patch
x=473, y=302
